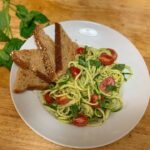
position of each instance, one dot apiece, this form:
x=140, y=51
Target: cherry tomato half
x=106, y=59
x=80, y=121
x=107, y=81
x=74, y=71
x=62, y=100
x=94, y=99
x=80, y=50
x=48, y=98
x=113, y=53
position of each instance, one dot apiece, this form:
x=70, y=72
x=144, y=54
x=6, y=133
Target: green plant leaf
x=3, y=37
x=82, y=60
x=119, y=67
x=5, y=18
x=5, y=59
x=39, y=17
x=74, y=110
x=95, y=63
x=4, y=23
x=93, y=119
x=26, y=30
x=1, y=62
x=7, y=64
x=13, y=44
x=21, y=12
x=111, y=88
x=3, y=55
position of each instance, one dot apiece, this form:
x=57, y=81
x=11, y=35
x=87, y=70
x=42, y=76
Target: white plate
x=135, y=93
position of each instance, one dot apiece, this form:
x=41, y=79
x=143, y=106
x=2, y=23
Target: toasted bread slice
x=64, y=50
x=47, y=48
x=31, y=59
x=26, y=79
x=40, y=67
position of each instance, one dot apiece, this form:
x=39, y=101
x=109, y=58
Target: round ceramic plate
x=135, y=92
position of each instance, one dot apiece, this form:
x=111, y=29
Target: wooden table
x=130, y=17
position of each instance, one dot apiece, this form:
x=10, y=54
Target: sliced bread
x=40, y=67
x=64, y=49
x=32, y=60
x=47, y=48
x=26, y=79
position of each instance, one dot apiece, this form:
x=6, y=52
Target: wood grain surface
x=130, y=17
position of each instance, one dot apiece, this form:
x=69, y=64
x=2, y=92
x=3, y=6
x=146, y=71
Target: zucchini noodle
x=89, y=81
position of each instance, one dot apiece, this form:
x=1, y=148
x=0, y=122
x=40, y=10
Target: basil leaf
x=39, y=17
x=26, y=29
x=53, y=105
x=22, y=12
x=1, y=62
x=119, y=67
x=13, y=44
x=4, y=19
x=7, y=64
x=82, y=61
x=5, y=59
x=111, y=88
x=3, y=37
x=93, y=119
x=5, y=22
x=4, y=56
x=27, y=24
x=74, y=110
x=106, y=103
x=95, y=63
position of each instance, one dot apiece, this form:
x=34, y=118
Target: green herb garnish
x=82, y=60
x=3, y=37
x=95, y=63
x=119, y=67
x=74, y=110
x=53, y=105
x=111, y=88
x=28, y=21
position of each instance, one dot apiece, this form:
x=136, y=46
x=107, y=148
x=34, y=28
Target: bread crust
x=58, y=52
x=27, y=80
x=25, y=60
x=64, y=50
x=46, y=46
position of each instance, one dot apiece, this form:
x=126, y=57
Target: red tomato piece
x=94, y=99
x=48, y=98
x=62, y=100
x=106, y=59
x=74, y=71
x=113, y=53
x=80, y=121
x=80, y=50
x=107, y=81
